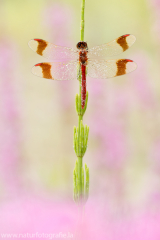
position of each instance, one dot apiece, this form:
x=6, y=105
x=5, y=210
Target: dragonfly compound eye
x=82, y=45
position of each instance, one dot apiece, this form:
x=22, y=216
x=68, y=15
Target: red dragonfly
x=90, y=61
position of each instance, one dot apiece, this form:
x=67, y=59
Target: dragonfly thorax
x=83, y=49
x=83, y=56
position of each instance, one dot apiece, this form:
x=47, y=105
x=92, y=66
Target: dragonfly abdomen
x=83, y=86
x=82, y=46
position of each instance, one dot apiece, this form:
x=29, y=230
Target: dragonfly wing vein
x=52, y=51
x=110, y=68
x=56, y=70
x=112, y=48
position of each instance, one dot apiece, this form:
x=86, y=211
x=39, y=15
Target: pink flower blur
x=9, y=127
x=142, y=88
x=59, y=19
x=31, y=215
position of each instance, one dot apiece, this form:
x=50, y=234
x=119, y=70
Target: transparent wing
x=56, y=70
x=51, y=51
x=113, y=48
x=110, y=68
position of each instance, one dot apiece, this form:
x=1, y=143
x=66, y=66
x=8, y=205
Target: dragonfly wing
x=56, y=70
x=110, y=68
x=113, y=48
x=51, y=51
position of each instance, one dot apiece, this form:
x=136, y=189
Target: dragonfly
x=91, y=62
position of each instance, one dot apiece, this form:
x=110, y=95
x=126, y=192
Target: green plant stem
x=82, y=20
x=80, y=165
x=80, y=160
x=80, y=117
x=81, y=176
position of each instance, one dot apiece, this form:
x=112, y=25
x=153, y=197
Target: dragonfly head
x=82, y=45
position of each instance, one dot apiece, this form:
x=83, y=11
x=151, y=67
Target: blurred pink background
x=37, y=118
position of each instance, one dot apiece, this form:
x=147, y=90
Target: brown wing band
x=46, y=70
x=122, y=42
x=41, y=46
x=121, y=66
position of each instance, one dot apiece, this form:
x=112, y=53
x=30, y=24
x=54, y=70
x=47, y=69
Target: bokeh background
x=37, y=118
